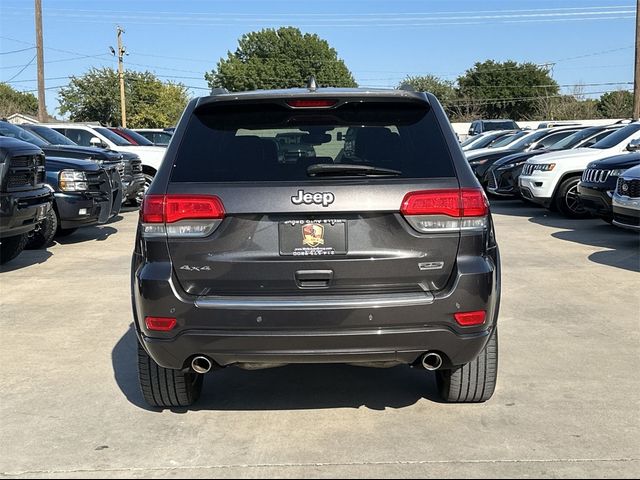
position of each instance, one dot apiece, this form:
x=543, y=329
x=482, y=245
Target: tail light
x=194, y=216
x=470, y=319
x=446, y=210
x=160, y=324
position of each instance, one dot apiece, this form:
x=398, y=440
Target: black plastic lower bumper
x=596, y=201
x=376, y=345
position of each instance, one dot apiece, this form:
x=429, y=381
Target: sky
x=589, y=42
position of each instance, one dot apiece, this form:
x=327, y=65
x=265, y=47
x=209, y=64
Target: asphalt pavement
x=567, y=403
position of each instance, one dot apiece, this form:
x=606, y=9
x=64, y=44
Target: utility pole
x=42, y=107
x=121, y=52
x=636, y=87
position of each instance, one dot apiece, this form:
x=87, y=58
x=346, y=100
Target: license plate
x=313, y=238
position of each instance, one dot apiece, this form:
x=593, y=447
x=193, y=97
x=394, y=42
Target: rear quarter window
x=246, y=143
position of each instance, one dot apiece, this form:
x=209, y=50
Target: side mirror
x=95, y=141
x=634, y=145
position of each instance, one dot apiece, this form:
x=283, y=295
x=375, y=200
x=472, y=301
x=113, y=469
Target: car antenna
x=219, y=91
x=312, y=85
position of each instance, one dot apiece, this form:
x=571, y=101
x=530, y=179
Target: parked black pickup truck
x=24, y=198
x=55, y=144
x=85, y=194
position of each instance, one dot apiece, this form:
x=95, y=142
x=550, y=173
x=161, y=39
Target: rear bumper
x=316, y=329
x=596, y=201
x=403, y=346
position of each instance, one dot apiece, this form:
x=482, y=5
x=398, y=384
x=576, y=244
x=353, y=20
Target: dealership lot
x=567, y=401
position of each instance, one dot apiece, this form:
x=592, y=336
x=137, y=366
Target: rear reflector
x=470, y=319
x=173, y=208
x=311, y=103
x=160, y=324
x=466, y=202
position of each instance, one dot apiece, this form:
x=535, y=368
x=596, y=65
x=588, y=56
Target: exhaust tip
x=201, y=364
x=431, y=361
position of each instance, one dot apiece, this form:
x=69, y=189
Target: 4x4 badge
x=319, y=198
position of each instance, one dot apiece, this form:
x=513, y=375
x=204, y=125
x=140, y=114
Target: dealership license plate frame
x=330, y=239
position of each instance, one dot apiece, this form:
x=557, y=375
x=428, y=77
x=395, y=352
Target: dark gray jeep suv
x=374, y=247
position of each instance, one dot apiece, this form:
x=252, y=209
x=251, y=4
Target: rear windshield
x=243, y=143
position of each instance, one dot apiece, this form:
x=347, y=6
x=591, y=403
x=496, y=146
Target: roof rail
x=219, y=91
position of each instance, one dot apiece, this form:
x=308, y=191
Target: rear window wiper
x=347, y=169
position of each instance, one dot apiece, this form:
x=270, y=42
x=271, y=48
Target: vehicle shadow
x=26, y=259
x=85, y=234
x=294, y=387
x=623, y=246
x=514, y=207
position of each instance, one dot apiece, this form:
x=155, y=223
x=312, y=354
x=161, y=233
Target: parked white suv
x=97, y=136
x=552, y=179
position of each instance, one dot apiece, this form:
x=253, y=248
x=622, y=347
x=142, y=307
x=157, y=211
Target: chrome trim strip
x=334, y=302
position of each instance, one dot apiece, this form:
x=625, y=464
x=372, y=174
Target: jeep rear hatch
x=350, y=198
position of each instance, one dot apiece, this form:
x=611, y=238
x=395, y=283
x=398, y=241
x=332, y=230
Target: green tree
x=442, y=89
x=95, y=96
x=508, y=89
x=12, y=101
x=618, y=104
x=282, y=58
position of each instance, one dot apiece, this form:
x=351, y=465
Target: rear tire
x=11, y=247
x=474, y=382
x=567, y=200
x=164, y=387
x=43, y=236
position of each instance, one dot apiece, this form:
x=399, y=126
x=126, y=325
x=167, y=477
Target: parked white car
x=552, y=179
x=97, y=136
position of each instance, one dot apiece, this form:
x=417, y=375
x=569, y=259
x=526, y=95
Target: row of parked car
x=579, y=171
x=56, y=178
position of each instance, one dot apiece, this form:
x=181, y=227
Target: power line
x=312, y=14
x=489, y=101
x=22, y=70
x=17, y=51
x=358, y=20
